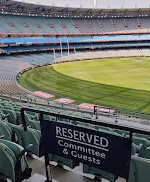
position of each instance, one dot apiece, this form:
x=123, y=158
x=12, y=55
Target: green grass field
x=116, y=82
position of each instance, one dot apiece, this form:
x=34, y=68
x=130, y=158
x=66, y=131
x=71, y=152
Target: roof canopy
x=14, y=7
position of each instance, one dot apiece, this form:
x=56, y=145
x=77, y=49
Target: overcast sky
x=90, y=3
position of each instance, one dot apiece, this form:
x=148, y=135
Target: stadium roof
x=14, y=7
x=93, y=3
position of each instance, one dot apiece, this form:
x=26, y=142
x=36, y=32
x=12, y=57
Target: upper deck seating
x=52, y=25
x=132, y=24
x=119, y=24
x=57, y=25
x=94, y=25
x=69, y=25
x=107, y=25
x=8, y=26
x=82, y=26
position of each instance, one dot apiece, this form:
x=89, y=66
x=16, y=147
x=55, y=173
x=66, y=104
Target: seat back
x=140, y=169
x=5, y=130
x=8, y=161
x=28, y=137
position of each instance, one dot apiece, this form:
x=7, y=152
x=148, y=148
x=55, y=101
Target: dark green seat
x=122, y=132
x=101, y=173
x=146, y=153
x=5, y=130
x=12, y=115
x=144, y=136
x=9, y=165
x=8, y=161
x=139, y=170
x=31, y=136
x=134, y=149
x=35, y=125
x=143, y=143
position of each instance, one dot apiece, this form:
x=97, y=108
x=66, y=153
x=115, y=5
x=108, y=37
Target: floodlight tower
x=95, y=3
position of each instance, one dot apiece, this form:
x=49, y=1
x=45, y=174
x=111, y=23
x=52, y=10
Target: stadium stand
x=144, y=23
x=42, y=58
x=28, y=50
x=8, y=75
x=107, y=25
x=94, y=25
x=119, y=24
x=82, y=25
x=8, y=26
x=57, y=25
x=75, y=39
x=132, y=24
x=41, y=25
x=69, y=25
x=32, y=135
x=30, y=25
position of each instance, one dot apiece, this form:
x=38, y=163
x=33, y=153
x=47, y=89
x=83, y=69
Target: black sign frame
x=88, y=146
x=130, y=129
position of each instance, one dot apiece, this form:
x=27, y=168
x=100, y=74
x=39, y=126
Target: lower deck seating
x=100, y=173
x=13, y=131
x=139, y=170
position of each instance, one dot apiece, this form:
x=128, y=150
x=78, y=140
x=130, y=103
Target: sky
x=90, y=3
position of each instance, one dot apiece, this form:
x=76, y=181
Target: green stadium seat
x=87, y=116
x=31, y=136
x=139, y=170
x=143, y=143
x=12, y=115
x=122, y=132
x=146, y=153
x=108, y=131
x=144, y=136
x=19, y=118
x=5, y=130
x=32, y=121
x=103, y=128
x=13, y=161
x=35, y=125
x=101, y=173
x=134, y=149
x=132, y=173
x=3, y=117
x=8, y=160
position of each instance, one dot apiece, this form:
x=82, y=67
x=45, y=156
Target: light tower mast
x=95, y=3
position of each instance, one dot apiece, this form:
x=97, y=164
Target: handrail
x=130, y=129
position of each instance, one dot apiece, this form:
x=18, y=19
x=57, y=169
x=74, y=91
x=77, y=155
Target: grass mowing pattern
x=123, y=72
x=47, y=79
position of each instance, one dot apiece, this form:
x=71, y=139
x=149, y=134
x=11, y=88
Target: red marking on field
x=64, y=101
x=43, y=94
x=91, y=107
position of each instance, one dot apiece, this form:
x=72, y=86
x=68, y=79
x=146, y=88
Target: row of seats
x=73, y=39
x=113, y=53
x=11, y=127
x=34, y=24
x=12, y=49
x=41, y=58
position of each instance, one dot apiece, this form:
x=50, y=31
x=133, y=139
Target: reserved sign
x=104, y=151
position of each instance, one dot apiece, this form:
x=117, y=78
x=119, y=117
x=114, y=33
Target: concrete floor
x=59, y=174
